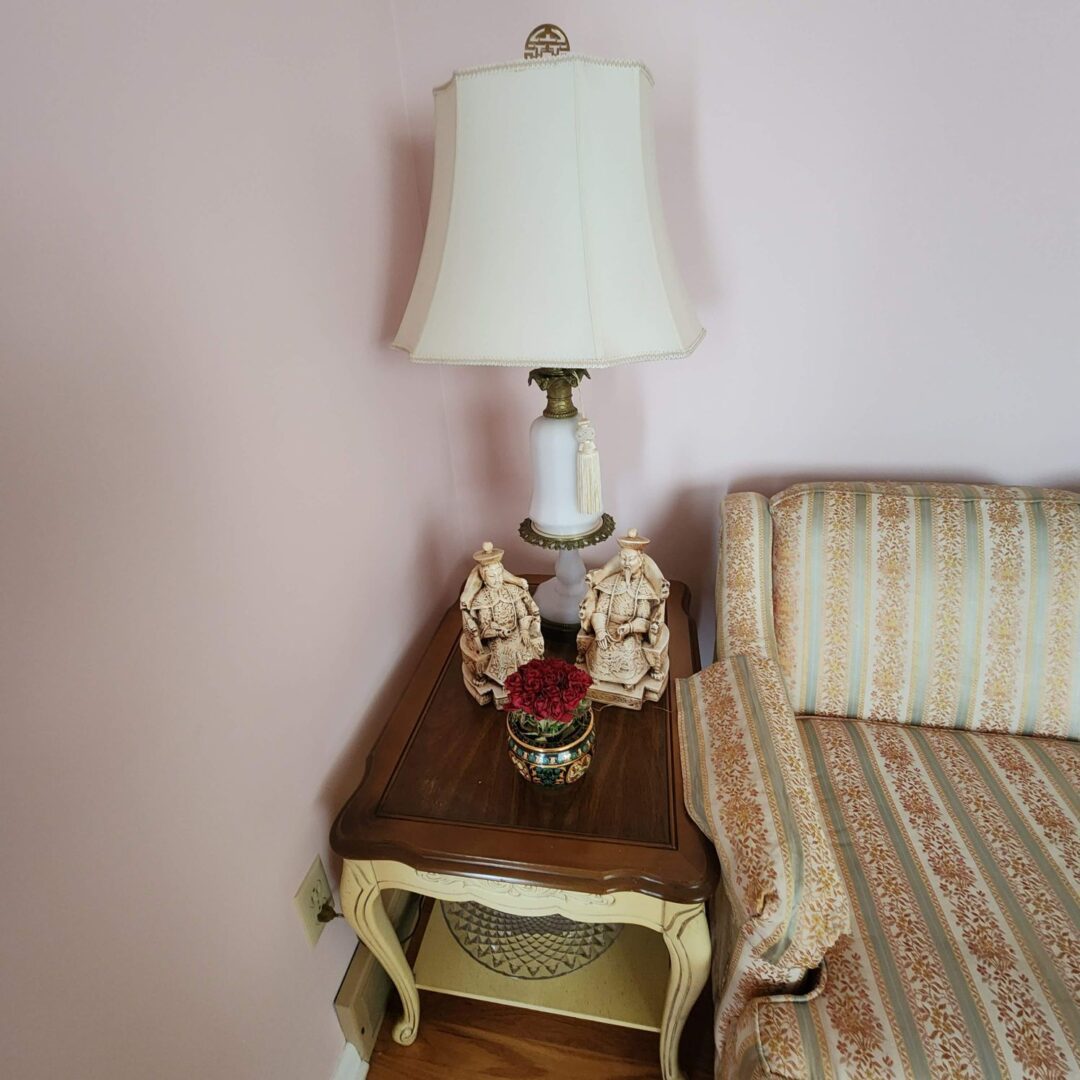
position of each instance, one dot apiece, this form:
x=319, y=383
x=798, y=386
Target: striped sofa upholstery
x=940, y=604
x=962, y=854
x=785, y=882
x=928, y=638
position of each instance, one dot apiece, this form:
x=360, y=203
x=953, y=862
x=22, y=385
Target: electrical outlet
x=310, y=897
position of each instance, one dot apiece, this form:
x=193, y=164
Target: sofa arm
x=744, y=601
x=747, y=785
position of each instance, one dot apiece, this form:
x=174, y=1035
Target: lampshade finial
x=546, y=40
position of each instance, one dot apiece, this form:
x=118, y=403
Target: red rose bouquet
x=550, y=691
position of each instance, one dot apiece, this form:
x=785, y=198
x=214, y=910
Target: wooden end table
x=442, y=812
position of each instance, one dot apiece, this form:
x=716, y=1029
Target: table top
x=440, y=794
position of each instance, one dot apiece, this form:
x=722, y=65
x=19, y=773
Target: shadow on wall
x=684, y=542
x=405, y=231
x=496, y=409
x=351, y=765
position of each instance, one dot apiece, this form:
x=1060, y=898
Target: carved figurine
x=500, y=626
x=623, y=641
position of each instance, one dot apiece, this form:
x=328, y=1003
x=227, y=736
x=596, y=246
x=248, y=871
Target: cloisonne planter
x=557, y=760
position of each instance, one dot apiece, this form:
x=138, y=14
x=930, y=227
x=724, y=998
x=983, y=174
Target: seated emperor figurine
x=623, y=641
x=500, y=626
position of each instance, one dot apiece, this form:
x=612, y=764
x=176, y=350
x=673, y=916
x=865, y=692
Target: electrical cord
x=328, y=914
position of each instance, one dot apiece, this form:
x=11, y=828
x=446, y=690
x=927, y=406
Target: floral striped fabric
x=935, y=604
x=747, y=786
x=744, y=602
x=962, y=855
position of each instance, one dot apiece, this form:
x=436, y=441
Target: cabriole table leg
x=686, y=935
x=362, y=906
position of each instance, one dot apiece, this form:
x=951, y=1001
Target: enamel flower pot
x=556, y=759
x=549, y=726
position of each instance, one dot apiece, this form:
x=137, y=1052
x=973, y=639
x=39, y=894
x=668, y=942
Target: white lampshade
x=546, y=244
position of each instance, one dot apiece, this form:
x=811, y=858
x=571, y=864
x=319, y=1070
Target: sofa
x=886, y=755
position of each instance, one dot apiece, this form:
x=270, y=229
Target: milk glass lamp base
x=554, y=506
x=559, y=598
x=555, y=520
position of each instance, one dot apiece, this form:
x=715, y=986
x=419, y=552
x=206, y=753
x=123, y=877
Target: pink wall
x=223, y=523
x=216, y=477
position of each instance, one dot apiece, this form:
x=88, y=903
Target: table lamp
x=546, y=249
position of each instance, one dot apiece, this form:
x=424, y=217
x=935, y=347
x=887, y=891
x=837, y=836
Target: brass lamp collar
x=559, y=385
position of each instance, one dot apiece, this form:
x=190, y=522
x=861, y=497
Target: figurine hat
x=632, y=542
x=488, y=553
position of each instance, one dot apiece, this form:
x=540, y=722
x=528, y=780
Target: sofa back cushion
x=941, y=604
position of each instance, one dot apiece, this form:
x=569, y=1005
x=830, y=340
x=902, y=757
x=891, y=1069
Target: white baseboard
x=350, y=1066
x=361, y=999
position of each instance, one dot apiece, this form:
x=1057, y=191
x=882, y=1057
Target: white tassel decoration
x=589, y=497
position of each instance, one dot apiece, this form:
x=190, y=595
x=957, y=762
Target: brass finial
x=559, y=384
x=546, y=40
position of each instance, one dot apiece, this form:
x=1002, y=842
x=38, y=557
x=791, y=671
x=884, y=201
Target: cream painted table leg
x=362, y=906
x=684, y=928
x=686, y=935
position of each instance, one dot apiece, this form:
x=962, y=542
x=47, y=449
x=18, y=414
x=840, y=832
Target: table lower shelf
x=625, y=985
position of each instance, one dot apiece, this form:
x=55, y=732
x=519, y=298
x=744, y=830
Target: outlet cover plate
x=310, y=897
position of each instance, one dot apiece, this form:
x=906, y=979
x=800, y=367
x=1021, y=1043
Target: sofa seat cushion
x=961, y=852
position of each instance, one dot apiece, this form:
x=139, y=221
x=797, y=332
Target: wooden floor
x=461, y=1038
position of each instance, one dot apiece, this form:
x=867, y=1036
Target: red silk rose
x=548, y=689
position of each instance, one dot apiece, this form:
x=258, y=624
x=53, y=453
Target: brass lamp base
x=528, y=532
